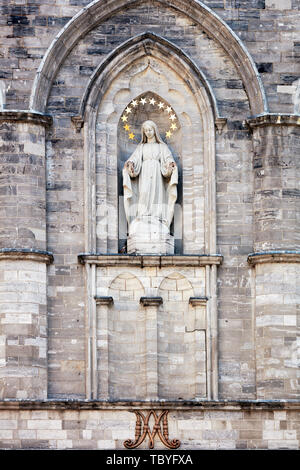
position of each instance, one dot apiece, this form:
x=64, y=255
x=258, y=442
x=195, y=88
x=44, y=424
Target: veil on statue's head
x=156, y=133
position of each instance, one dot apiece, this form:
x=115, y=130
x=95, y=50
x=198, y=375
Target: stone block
x=279, y=4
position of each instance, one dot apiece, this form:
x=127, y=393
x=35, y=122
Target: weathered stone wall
x=23, y=276
x=269, y=29
x=277, y=314
x=152, y=351
x=46, y=189
x=234, y=182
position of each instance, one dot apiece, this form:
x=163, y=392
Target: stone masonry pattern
x=73, y=330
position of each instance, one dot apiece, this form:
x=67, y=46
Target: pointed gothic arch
x=101, y=107
x=150, y=44
x=97, y=11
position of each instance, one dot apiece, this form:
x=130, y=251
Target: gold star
x=152, y=101
x=127, y=110
x=124, y=118
x=173, y=126
x=169, y=109
x=168, y=134
x=172, y=117
x=126, y=127
x=143, y=100
x=161, y=105
x=134, y=103
x=131, y=135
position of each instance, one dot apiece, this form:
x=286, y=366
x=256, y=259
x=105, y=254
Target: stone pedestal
x=145, y=245
x=148, y=236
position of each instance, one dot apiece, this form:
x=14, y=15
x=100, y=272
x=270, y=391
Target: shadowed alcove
x=149, y=106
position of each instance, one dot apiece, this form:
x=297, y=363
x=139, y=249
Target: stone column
x=202, y=347
x=276, y=257
x=23, y=256
x=103, y=304
x=151, y=304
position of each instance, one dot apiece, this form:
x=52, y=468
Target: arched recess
x=126, y=146
x=96, y=12
x=149, y=64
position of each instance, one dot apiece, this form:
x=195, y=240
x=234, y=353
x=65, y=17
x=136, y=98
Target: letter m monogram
x=142, y=430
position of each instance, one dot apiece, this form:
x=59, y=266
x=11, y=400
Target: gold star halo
x=161, y=106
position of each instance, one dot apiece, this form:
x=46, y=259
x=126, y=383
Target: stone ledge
x=26, y=255
x=95, y=13
x=29, y=117
x=151, y=301
x=273, y=120
x=220, y=405
x=274, y=257
x=149, y=260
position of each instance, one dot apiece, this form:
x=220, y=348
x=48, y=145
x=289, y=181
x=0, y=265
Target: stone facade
x=53, y=426
x=89, y=333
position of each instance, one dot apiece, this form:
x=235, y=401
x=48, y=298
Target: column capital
x=273, y=120
x=151, y=301
x=198, y=301
x=104, y=300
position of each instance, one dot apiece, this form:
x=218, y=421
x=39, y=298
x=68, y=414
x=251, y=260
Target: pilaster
x=275, y=262
x=23, y=255
x=151, y=304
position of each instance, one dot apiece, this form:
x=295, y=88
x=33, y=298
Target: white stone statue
x=150, y=178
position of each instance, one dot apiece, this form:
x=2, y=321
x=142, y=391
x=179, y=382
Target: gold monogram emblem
x=140, y=434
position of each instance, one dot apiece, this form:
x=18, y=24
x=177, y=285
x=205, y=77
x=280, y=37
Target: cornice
x=288, y=256
x=26, y=254
x=30, y=117
x=149, y=260
x=262, y=120
x=195, y=405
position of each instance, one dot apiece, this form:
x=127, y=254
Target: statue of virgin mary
x=150, y=178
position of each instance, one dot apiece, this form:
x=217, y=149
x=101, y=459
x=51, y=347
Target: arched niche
x=140, y=66
x=149, y=106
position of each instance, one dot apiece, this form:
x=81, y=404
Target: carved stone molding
x=142, y=430
x=26, y=116
x=178, y=405
x=27, y=255
x=274, y=257
x=198, y=301
x=104, y=300
x=149, y=260
x=78, y=122
x=220, y=123
x=151, y=301
x=273, y=120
